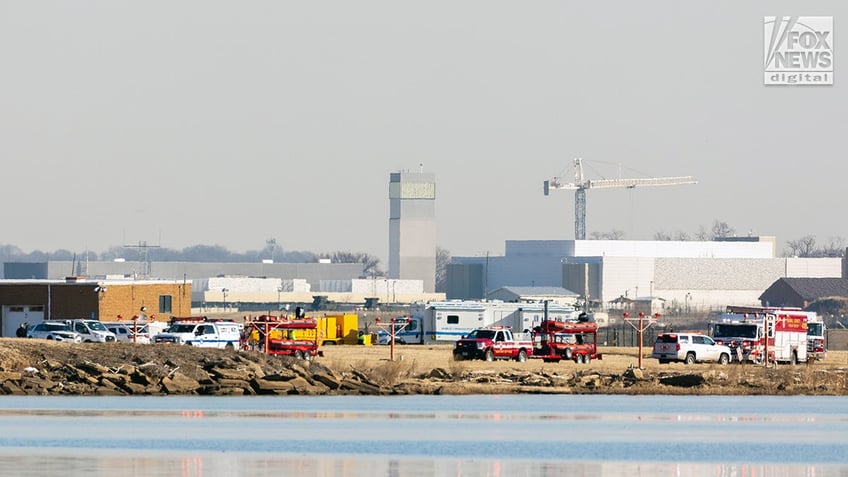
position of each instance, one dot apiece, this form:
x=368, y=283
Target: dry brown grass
x=427, y=357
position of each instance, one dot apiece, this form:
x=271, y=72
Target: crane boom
x=580, y=185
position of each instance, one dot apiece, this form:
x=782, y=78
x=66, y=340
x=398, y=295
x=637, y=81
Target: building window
x=164, y=303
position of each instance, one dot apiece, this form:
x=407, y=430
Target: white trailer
x=448, y=321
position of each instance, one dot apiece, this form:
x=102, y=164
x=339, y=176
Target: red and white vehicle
x=816, y=341
x=753, y=333
x=275, y=335
x=494, y=342
x=575, y=340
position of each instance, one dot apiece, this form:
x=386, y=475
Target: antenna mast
x=144, y=257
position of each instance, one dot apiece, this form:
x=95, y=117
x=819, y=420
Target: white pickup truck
x=493, y=343
x=224, y=335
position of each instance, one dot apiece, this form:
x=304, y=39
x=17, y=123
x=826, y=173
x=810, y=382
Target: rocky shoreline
x=33, y=367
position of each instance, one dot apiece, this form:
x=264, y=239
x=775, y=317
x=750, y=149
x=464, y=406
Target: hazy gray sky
x=227, y=123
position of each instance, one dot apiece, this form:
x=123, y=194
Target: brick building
x=32, y=301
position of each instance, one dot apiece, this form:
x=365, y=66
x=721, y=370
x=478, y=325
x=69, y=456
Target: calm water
x=425, y=435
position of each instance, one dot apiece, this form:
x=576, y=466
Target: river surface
x=508, y=435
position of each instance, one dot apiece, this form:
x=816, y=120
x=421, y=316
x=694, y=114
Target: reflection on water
x=169, y=463
x=425, y=435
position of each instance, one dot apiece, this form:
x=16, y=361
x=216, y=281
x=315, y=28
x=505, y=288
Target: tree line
x=806, y=246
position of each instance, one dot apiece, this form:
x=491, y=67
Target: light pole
x=687, y=299
x=279, y=305
x=224, y=291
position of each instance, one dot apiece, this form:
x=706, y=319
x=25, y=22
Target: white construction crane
x=580, y=185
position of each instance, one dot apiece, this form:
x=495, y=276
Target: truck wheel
x=307, y=356
x=690, y=358
x=522, y=356
x=229, y=347
x=298, y=354
x=567, y=353
x=490, y=356
x=586, y=359
x=793, y=359
x=457, y=356
x=723, y=359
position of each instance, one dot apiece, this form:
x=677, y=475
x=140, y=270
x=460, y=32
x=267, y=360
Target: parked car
x=122, y=332
x=689, y=348
x=58, y=331
x=92, y=331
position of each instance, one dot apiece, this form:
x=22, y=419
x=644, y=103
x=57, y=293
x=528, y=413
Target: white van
x=135, y=332
x=122, y=332
x=224, y=335
x=92, y=331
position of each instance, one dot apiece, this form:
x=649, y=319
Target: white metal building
x=686, y=275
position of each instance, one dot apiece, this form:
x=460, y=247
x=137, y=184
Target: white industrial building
x=229, y=290
x=682, y=275
x=229, y=284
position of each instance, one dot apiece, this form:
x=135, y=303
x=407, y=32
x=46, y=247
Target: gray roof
x=812, y=288
x=538, y=291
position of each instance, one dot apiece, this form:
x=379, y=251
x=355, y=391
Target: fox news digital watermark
x=798, y=50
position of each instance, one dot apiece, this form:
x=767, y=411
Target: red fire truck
x=575, y=340
x=756, y=333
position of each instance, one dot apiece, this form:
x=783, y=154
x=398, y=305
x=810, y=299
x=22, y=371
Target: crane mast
x=581, y=184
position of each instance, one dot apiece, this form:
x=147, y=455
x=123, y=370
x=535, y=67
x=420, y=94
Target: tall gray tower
x=412, y=227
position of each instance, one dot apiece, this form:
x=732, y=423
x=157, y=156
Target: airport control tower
x=412, y=227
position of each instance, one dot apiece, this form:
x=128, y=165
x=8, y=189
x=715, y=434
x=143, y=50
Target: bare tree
x=443, y=258
x=613, y=234
x=721, y=230
x=701, y=234
x=806, y=247
x=802, y=247
x=666, y=236
x=834, y=248
x=371, y=264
